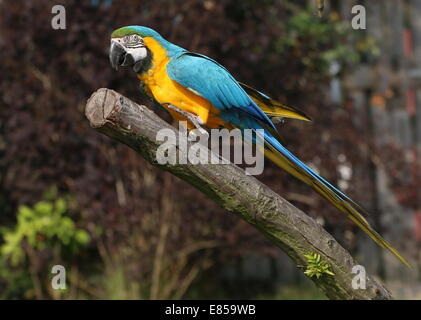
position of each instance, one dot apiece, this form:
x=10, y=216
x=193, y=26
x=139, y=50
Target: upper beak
x=119, y=55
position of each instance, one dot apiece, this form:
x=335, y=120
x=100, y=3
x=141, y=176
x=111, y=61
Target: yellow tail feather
x=344, y=206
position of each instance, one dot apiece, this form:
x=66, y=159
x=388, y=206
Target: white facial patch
x=137, y=53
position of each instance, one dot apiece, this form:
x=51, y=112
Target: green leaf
x=82, y=237
x=316, y=267
x=44, y=207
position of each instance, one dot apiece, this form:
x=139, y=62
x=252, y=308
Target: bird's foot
x=195, y=120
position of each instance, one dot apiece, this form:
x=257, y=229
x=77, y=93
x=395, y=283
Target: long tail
x=276, y=152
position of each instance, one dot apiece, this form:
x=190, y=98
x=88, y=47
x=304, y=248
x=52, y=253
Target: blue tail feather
x=279, y=147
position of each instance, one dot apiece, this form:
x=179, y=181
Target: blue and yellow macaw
x=194, y=88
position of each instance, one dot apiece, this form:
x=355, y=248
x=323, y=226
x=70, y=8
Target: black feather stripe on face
x=133, y=41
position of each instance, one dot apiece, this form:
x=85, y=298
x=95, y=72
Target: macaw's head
x=129, y=49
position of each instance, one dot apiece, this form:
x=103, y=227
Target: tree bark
x=288, y=227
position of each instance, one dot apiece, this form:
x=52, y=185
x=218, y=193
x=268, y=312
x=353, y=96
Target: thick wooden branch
x=288, y=227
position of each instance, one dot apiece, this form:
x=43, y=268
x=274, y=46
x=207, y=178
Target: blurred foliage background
x=125, y=230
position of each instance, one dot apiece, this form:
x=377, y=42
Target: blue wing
x=212, y=81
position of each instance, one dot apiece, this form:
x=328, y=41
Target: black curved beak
x=119, y=56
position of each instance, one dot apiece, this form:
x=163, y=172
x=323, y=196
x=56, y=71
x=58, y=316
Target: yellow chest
x=165, y=90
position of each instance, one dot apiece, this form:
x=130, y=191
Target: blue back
x=213, y=82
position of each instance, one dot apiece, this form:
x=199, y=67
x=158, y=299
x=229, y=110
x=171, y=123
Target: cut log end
x=100, y=106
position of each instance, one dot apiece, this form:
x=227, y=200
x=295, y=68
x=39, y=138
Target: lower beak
x=119, y=56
